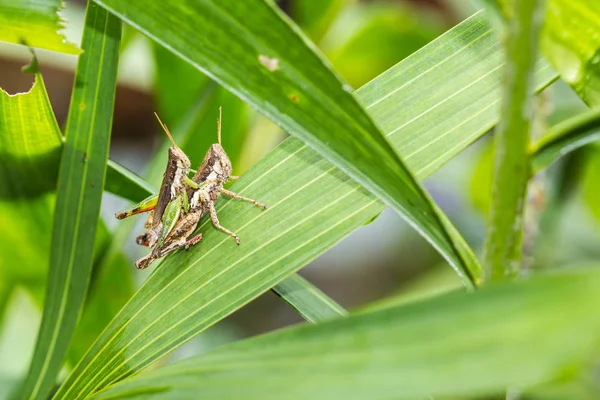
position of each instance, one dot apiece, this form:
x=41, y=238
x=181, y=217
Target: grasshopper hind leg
x=217, y=224
x=148, y=204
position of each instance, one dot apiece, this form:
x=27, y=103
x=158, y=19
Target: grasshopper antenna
x=165, y=129
x=219, y=124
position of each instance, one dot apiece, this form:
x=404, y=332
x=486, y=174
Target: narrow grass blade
x=126, y=184
x=525, y=333
x=564, y=138
x=312, y=304
x=431, y=106
x=504, y=230
x=34, y=23
x=277, y=71
x=80, y=186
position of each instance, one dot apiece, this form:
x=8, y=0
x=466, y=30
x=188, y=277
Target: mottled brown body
x=214, y=171
x=178, y=168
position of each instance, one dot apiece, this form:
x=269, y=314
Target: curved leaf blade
x=428, y=117
x=79, y=193
x=564, y=138
x=310, y=302
x=571, y=42
x=125, y=183
x=525, y=334
x=253, y=50
x=34, y=23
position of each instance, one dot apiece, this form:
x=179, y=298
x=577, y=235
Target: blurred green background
x=385, y=259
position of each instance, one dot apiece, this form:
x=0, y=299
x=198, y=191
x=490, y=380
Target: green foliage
x=349, y=155
x=571, y=42
x=392, y=353
x=79, y=193
x=566, y=137
x=30, y=153
x=312, y=205
x=301, y=94
x=310, y=302
x=34, y=23
x=504, y=234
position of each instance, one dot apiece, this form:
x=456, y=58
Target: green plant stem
x=504, y=235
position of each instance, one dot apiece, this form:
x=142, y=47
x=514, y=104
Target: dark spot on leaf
x=294, y=98
x=84, y=159
x=81, y=107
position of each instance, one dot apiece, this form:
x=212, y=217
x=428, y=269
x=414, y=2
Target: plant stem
x=504, y=235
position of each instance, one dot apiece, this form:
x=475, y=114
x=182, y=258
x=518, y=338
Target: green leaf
x=111, y=286
x=564, y=138
x=312, y=304
x=369, y=38
x=29, y=154
x=505, y=223
x=34, y=23
x=315, y=17
x=125, y=183
x=525, y=333
x=591, y=177
x=427, y=116
x=571, y=42
x=79, y=193
x=276, y=71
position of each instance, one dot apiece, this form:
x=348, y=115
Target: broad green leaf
x=565, y=137
x=427, y=116
x=34, y=23
x=571, y=41
x=79, y=193
x=312, y=304
x=525, y=333
x=505, y=223
x=279, y=73
x=29, y=154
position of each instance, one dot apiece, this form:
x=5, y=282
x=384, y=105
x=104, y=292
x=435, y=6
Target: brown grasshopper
x=183, y=213
x=175, y=181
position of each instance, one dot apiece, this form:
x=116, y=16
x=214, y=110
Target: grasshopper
x=175, y=180
x=189, y=203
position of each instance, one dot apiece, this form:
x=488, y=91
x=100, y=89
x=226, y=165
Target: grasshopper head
x=216, y=163
x=176, y=154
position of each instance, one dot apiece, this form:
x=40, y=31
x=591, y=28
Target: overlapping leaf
x=251, y=49
x=566, y=137
x=523, y=334
x=427, y=117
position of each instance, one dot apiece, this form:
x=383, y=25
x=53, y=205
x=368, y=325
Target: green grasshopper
x=188, y=203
